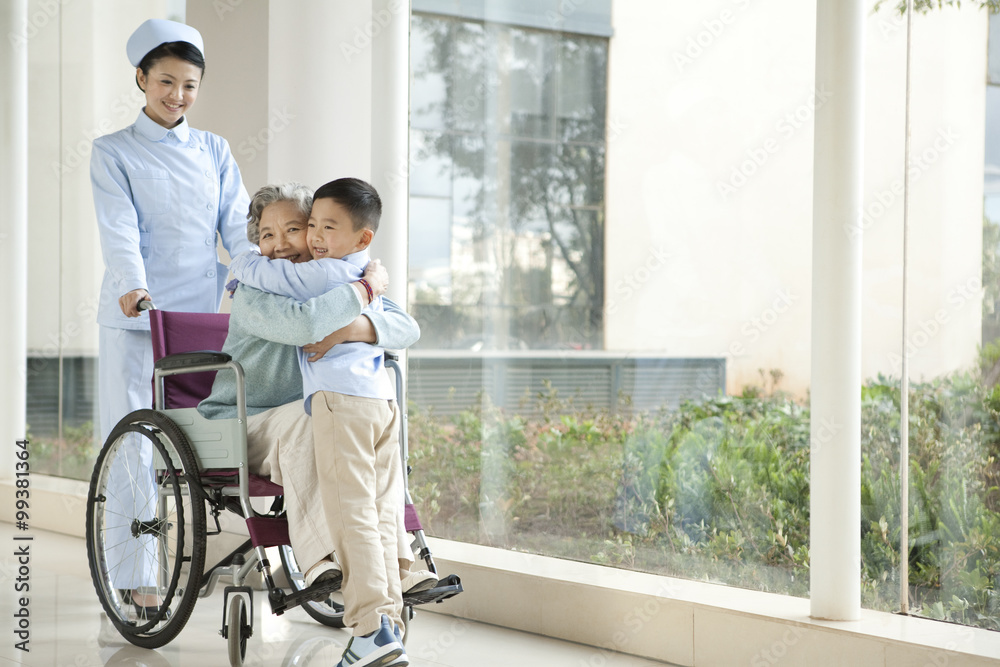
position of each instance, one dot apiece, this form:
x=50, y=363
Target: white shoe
x=415, y=582
x=323, y=572
x=377, y=649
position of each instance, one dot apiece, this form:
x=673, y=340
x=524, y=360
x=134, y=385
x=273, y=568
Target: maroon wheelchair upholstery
x=187, y=332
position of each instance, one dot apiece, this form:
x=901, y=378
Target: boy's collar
x=358, y=259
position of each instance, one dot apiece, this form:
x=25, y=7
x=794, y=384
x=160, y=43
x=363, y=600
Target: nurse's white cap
x=154, y=32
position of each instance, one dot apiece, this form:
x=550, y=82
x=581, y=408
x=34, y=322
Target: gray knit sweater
x=264, y=330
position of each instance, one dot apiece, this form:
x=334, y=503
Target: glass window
x=527, y=196
x=622, y=373
x=994, y=49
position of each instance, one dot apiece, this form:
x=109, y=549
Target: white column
x=835, y=501
x=13, y=228
x=319, y=59
x=390, y=138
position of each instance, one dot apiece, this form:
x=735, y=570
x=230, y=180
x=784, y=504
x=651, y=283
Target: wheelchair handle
x=145, y=304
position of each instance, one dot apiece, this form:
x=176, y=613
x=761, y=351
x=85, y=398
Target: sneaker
x=323, y=572
x=402, y=659
x=377, y=649
x=415, y=582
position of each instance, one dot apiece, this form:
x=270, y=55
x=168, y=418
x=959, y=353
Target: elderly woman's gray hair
x=298, y=194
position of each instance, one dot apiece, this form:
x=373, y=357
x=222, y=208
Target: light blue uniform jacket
x=161, y=195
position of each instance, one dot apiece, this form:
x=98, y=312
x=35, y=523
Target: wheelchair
x=164, y=471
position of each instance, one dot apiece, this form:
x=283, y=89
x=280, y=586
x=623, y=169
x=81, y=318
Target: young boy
x=355, y=419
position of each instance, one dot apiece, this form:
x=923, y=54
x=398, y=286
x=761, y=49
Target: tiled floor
x=69, y=629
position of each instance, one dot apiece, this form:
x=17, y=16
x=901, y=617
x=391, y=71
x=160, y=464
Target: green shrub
x=718, y=489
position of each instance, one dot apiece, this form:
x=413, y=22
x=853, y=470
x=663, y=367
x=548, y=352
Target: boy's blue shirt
x=355, y=369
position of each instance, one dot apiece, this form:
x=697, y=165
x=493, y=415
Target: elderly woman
x=264, y=330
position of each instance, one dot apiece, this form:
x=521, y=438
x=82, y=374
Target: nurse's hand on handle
x=129, y=302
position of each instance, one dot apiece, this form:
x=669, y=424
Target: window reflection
x=509, y=123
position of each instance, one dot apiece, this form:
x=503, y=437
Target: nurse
x=162, y=192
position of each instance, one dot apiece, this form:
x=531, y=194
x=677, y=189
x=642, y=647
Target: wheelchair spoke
x=145, y=536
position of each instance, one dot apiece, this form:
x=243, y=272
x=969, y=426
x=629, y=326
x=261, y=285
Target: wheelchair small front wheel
x=329, y=611
x=146, y=528
x=238, y=631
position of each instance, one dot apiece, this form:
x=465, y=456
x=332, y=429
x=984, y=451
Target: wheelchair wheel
x=238, y=631
x=146, y=529
x=329, y=612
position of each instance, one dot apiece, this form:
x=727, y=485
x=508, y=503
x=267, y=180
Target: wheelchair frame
x=188, y=452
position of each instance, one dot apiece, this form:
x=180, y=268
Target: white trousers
x=125, y=372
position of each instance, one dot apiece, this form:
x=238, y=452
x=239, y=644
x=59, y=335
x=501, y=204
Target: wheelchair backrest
x=175, y=332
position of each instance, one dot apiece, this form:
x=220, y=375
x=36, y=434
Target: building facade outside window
x=507, y=172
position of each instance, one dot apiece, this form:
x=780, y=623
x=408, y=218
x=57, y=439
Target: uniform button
x=170, y=134
x=208, y=172
x=208, y=207
x=210, y=274
x=208, y=241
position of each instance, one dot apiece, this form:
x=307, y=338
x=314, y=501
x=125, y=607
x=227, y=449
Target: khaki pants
x=280, y=446
x=357, y=444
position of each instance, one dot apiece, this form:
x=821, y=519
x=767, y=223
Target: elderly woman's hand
x=361, y=330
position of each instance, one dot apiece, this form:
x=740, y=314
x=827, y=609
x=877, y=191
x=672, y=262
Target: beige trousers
x=357, y=444
x=280, y=446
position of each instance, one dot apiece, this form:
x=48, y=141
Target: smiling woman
x=171, y=86
x=163, y=192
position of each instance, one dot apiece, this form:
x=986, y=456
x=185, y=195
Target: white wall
x=81, y=85
x=698, y=269
x=291, y=104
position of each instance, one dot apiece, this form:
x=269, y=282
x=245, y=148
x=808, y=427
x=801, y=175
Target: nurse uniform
x=161, y=196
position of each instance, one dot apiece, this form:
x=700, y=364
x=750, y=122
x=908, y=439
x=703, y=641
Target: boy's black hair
x=359, y=198
x=185, y=51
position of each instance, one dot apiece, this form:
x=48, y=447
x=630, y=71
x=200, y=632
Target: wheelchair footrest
x=282, y=602
x=448, y=587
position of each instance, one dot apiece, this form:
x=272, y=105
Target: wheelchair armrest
x=391, y=356
x=191, y=360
